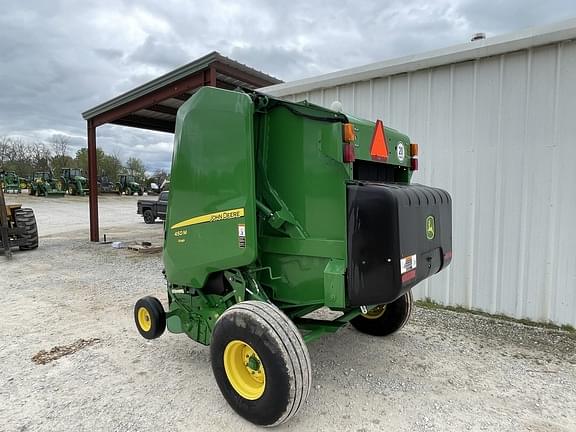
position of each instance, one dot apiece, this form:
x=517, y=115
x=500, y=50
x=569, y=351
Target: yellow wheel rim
x=144, y=319
x=244, y=370
x=376, y=312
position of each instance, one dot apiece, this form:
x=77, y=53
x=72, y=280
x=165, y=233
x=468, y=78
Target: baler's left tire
x=260, y=362
x=386, y=319
x=150, y=317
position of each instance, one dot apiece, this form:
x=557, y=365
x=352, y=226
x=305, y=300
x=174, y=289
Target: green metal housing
x=257, y=208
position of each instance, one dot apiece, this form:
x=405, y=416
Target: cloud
x=62, y=57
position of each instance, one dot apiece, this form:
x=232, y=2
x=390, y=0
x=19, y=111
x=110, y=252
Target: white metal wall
x=499, y=133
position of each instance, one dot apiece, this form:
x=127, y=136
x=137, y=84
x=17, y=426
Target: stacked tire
x=25, y=220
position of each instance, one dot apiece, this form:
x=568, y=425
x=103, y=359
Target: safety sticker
x=211, y=217
x=407, y=264
x=242, y=235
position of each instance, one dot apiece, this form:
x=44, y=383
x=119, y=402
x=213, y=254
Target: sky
x=59, y=58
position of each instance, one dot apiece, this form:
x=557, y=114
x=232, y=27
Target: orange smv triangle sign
x=379, y=149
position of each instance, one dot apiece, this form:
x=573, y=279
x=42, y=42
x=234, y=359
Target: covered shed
x=154, y=105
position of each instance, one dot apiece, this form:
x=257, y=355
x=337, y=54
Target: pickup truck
x=152, y=209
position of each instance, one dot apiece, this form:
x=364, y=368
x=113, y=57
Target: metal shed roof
x=154, y=105
x=527, y=38
x=160, y=98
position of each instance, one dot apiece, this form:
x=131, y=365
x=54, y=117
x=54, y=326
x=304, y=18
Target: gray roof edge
x=169, y=78
x=523, y=39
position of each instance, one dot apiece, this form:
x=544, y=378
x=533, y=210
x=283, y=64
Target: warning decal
x=407, y=264
x=241, y=235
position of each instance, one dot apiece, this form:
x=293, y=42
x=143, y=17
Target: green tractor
x=74, y=181
x=278, y=209
x=44, y=184
x=10, y=182
x=128, y=186
x=24, y=182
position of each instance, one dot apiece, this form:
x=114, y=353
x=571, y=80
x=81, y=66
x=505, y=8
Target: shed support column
x=213, y=76
x=93, y=181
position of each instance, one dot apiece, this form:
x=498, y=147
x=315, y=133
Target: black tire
x=140, y=193
x=280, y=352
x=384, y=320
x=149, y=217
x=24, y=218
x=149, y=317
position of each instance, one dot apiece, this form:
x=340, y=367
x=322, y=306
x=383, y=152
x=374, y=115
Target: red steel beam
x=183, y=97
x=212, y=79
x=146, y=123
x=93, y=182
x=225, y=85
x=156, y=97
x=162, y=109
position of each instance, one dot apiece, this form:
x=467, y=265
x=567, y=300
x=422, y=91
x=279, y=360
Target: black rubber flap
x=398, y=235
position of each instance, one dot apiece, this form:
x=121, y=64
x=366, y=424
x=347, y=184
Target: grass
x=431, y=304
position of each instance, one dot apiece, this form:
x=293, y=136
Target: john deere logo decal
x=430, y=230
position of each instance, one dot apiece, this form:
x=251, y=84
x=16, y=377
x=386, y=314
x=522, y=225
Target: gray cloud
x=60, y=58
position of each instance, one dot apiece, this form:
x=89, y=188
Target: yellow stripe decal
x=211, y=217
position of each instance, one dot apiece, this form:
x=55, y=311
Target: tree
x=39, y=156
x=108, y=165
x=136, y=168
x=60, y=145
x=159, y=176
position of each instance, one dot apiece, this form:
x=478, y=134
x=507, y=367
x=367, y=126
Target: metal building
x=496, y=124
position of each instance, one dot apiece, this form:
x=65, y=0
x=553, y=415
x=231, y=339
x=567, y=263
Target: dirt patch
x=43, y=357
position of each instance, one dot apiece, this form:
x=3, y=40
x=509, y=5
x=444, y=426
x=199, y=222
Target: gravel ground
x=444, y=371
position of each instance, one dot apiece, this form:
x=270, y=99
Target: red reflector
x=414, y=164
x=408, y=276
x=349, y=153
x=379, y=148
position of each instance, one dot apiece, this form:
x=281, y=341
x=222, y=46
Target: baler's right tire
x=148, y=216
x=25, y=219
x=260, y=362
x=386, y=319
x=150, y=317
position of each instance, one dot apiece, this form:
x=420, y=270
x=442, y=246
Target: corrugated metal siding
x=499, y=133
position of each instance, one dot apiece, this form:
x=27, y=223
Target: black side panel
x=398, y=235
